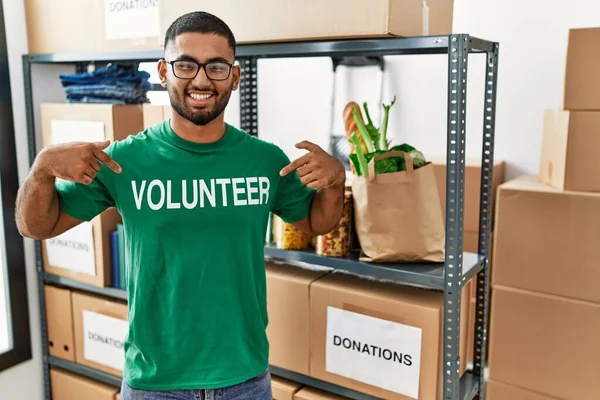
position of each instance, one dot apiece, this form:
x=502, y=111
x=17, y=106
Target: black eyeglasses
x=188, y=69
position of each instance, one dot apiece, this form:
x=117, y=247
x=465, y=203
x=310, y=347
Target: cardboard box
x=289, y=315
x=100, y=328
x=284, y=389
x=472, y=188
x=309, y=393
x=287, y=19
x=377, y=333
x=64, y=122
x=67, y=386
x=59, y=320
x=546, y=240
x=545, y=343
x=502, y=391
x=83, y=253
x=99, y=26
x=570, y=150
x=155, y=114
x=471, y=245
x=471, y=331
x=582, y=80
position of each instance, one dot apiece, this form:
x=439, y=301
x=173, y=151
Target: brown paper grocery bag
x=398, y=215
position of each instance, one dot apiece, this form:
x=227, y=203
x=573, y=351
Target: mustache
x=197, y=89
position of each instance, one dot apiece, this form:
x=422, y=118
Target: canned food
x=337, y=242
x=287, y=237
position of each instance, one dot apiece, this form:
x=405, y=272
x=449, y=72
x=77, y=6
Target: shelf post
x=485, y=216
x=29, y=115
x=455, y=172
x=249, y=95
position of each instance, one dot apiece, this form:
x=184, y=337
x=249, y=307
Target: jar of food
x=287, y=237
x=337, y=242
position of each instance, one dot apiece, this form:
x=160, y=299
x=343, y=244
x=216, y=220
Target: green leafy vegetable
x=374, y=133
x=384, y=143
x=418, y=157
x=364, y=134
x=358, y=158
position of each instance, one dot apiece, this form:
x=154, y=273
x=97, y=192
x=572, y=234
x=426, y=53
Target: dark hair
x=200, y=22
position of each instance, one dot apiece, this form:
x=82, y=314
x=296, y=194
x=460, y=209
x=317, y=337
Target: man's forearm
x=37, y=206
x=326, y=209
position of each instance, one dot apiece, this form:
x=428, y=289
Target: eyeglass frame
x=201, y=66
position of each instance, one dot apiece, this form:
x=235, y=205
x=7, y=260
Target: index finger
x=105, y=158
x=297, y=163
x=305, y=144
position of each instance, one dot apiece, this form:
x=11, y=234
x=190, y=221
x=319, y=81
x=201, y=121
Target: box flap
x=387, y=291
x=66, y=385
x=315, y=394
x=293, y=273
x=284, y=389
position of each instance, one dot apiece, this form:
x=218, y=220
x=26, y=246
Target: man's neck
x=208, y=133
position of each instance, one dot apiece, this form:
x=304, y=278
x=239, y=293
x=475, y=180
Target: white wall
x=533, y=42
x=23, y=381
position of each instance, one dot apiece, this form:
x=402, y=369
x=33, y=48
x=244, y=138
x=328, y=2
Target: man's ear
x=162, y=72
x=236, y=72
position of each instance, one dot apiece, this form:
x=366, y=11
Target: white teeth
x=200, y=96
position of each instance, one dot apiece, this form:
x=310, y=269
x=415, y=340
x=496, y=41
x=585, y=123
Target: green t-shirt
x=195, y=219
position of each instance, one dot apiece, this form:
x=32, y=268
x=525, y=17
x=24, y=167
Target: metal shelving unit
x=449, y=276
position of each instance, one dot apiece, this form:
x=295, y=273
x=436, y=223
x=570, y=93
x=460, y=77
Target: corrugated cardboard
x=286, y=19
x=119, y=121
x=471, y=331
x=471, y=245
x=288, y=307
x=472, y=188
x=48, y=31
x=545, y=343
x=59, y=319
x=502, y=391
x=69, y=386
x=284, y=389
x=582, y=80
x=102, y=225
x=99, y=305
x=407, y=305
x=155, y=114
x=546, y=240
x=315, y=394
x=570, y=149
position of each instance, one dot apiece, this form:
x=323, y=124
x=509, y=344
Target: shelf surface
x=313, y=48
x=104, y=291
x=88, y=372
x=428, y=275
x=469, y=384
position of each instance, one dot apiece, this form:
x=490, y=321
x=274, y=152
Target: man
x=194, y=194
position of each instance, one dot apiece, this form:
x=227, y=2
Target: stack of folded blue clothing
x=113, y=84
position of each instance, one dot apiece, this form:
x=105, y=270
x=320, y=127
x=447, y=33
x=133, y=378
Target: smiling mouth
x=200, y=96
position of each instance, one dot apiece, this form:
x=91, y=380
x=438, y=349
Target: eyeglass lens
x=189, y=70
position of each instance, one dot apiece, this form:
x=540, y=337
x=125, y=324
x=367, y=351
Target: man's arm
x=325, y=212
x=323, y=172
x=38, y=210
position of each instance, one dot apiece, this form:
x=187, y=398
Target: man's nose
x=201, y=79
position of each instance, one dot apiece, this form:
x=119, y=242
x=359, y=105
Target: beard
x=197, y=116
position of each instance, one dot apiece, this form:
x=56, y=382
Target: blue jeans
x=257, y=388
